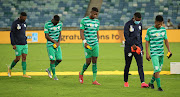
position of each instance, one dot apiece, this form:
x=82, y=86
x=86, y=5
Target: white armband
x=84, y=41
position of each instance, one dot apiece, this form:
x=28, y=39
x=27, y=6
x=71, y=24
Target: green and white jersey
x=90, y=27
x=54, y=31
x=156, y=37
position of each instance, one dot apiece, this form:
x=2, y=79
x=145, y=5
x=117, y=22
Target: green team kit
x=21, y=49
x=156, y=37
x=90, y=27
x=54, y=32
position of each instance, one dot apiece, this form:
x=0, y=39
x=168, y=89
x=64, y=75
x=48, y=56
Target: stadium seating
x=112, y=13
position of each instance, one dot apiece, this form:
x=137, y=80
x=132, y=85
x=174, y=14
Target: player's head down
x=23, y=17
x=55, y=19
x=158, y=21
x=137, y=17
x=94, y=13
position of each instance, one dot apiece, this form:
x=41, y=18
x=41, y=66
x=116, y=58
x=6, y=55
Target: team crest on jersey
x=163, y=33
x=58, y=27
x=18, y=27
x=129, y=54
x=139, y=27
x=131, y=29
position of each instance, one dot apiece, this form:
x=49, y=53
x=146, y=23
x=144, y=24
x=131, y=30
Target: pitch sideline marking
x=86, y=73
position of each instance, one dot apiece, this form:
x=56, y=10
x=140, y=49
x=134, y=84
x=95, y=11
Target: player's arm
x=98, y=35
x=126, y=35
x=83, y=38
x=167, y=45
x=82, y=33
x=13, y=28
x=47, y=35
x=147, y=38
x=141, y=40
x=147, y=52
x=98, y=31
x=59, y=38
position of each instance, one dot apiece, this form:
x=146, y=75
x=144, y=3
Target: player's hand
x=85, y=45
x=148, y=57
x=169, y=54
x=134, y=47
x=14, y=47
x=143, y=52
x=58, y=44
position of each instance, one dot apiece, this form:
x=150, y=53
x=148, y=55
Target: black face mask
x=21, y=20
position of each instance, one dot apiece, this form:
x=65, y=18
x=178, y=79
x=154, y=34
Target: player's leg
x=161, y=60
x=94, y=69
x=24, y=65
x=128, y=58
x=156, y=65
x=139, y=61
x=88, y=56
x=95, y=54
x=13, y=64
x=51, y=54
x=151, y=83
x=18, y=56
x=85, y=66
x=58, y=55
x=24, y=55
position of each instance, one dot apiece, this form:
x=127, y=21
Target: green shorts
x=54, y=53
x=91, y=53
x=21, y=49
x=157, y=62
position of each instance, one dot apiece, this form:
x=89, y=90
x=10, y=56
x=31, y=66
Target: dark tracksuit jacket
x=133, y=35
x=17, y=34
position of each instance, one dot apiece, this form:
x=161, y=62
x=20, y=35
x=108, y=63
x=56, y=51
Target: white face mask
x=137, y=22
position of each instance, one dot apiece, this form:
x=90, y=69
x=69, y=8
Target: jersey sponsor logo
x=131, y=29
x=139, y=27
x=92, y=25
x=18, y=27
x=54, y=28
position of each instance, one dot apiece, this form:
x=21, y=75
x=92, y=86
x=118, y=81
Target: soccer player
x=133, y=47
x=154, y=37
x=19, y=42
x=89, y=28
x=52, y=30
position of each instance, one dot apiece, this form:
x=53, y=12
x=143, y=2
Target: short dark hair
x=137, y=14
x=159, y=18
x=56, y=17
x=23, y=14
x=95, y=9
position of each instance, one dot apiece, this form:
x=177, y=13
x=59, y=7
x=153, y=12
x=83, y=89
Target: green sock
x=24, y=67
x=158, y=82
x=85, y=66
x=12, y=64
x=152, y=80
x=56, y=63
x=94, y=69
x=53, y=69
